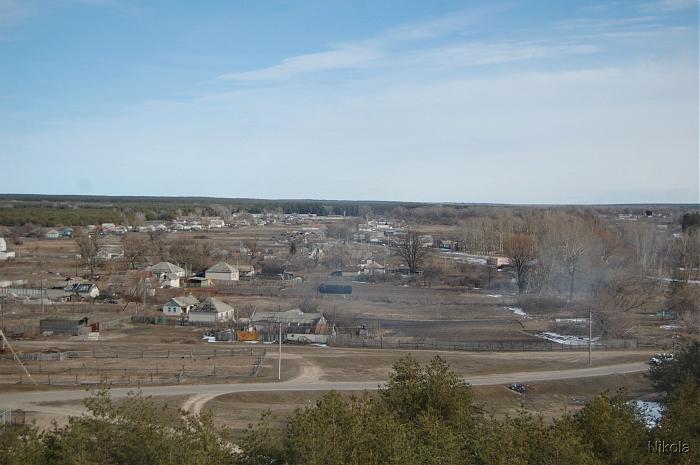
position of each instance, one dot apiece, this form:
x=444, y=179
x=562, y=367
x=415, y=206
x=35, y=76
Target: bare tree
x=134, y=250
x=411, y=250
x=158, y=245
x=572, y=248
x=520, y=250
x=88, y=246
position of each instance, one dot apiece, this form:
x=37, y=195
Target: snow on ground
x=651, y=411
x=465, y=257
x=495, y=296
x=567, y=340
x=573, y=321
x=518, y=311
x=673, y=280
x=670, y=327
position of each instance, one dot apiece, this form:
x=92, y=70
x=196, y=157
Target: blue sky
x=515, y=102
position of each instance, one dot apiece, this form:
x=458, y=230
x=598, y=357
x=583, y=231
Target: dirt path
x=307, y=381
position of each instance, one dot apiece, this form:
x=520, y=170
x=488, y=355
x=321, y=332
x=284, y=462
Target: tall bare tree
x=135, y=249
x=411, y=250
x=520, y=250
x=88, y=246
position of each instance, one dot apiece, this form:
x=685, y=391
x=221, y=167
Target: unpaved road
x=202, y=393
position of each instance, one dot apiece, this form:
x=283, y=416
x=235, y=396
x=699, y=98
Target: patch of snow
x=495, y=296
x=670, y=327
x=209, y=338
x=566, y=340
x=573, y=321
x=651, y=412
x=464, y=257
x=518, y=311
x=319, y=345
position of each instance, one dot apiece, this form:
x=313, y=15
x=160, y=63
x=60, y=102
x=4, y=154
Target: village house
x=180, y=305
x=81, y=291
x=296, y=326
x=222, y=272
x=370, y=267
x=168, y=274
x=52, y=234
x=110, y=252
x=212, y=311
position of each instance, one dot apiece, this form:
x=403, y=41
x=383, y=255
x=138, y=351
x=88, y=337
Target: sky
x=520, y=102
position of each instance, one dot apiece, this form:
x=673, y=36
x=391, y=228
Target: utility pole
x=42, y=296
x=279, y=359
x=2, y=326
x=590, y=334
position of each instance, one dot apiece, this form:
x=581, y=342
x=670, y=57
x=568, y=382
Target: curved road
x=201, y=393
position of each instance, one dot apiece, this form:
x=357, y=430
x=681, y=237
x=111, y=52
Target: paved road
x=32, y=400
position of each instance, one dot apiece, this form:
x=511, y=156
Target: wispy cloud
x=673, y=5
x=339, y=58
x=441, y=42
x=668, y=5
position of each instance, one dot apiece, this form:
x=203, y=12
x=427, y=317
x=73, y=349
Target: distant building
x=4, y=253
x=370, y=267
x=246, y=270
x=223, y=272
x=61, y=326
x=296, y=326
x=110, y=252
x=198, y=281
x=52, y=234
x=498, y=261
x=82, y=290
x=212, y=311
x=180, y=305
x=168, y=274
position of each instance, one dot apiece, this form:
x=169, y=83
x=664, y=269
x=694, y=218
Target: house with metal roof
x=180, y=305
x=167, y=273
x=223, y=272
x=82, y=290
x=212, y=310
x=296, y=326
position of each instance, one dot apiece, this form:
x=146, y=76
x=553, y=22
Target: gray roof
x=222, y=267
x=212, y=305
x=294, y=315
x=165, y=267
x=185, y=300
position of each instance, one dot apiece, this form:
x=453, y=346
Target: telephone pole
x=590, y=334
x=279, y=358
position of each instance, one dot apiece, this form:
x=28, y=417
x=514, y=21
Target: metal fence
x=132, y=354
x=482, y=346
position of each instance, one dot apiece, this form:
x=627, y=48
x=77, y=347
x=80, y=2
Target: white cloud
x=340, y=58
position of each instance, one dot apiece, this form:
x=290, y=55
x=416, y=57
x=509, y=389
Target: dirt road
x=200, y=394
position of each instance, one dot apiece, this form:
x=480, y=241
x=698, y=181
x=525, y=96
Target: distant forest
x=77, y=210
